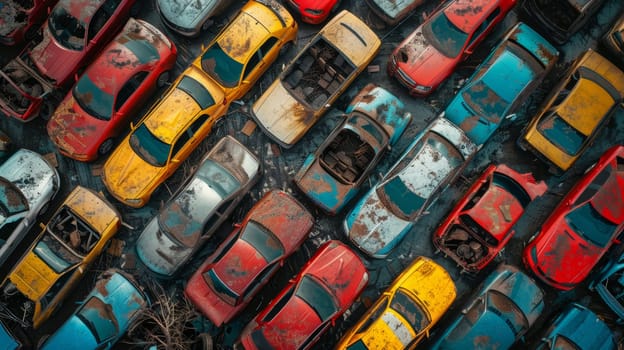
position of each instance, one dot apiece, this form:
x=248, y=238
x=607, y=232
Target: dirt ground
x=279, y=166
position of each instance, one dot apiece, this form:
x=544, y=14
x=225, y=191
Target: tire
x=163, y=79
x=105, y=147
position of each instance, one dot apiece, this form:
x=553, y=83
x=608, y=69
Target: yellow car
x=75, y=236
x=406, y=311
x=176, y=124
x=315, y=78
x=574, y=111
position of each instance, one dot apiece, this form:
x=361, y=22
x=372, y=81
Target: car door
x=257, y=65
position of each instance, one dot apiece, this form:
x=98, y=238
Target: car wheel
x=163, y=79
x=105, y=147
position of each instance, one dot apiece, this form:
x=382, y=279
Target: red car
x=481, y=224
x=111, y=91
x=20, y=20
x=225, y=283
x=326, y=286
x=589, y=219
x=430, y=54
x=314, y=11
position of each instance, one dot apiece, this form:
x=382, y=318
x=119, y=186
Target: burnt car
x=198, y=208
x=315, y=78
x=190, y=17
x=560, y=19
x=481, y=223
x=311, y=303
x=392, y=11
x=428, y=56
x=507, y=305
x=585, y=224
x=608, y=282
x=336, y=171
x=246, y=260
x=20, y=20
x=380, y=219
x=103, y=317
x=28, y=183
x=73, y=34
x=111, y=91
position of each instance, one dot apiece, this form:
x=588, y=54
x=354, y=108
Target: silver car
x=27, y=185
x=190, y=17
x=194, y=213
x=381, y=219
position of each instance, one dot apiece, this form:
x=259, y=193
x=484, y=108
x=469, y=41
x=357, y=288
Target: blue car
x=507, y=305
x=8, y=341
x=334, y=174
x=610, y=285
x=502, y=82
x=577, y=328
x=103, y=317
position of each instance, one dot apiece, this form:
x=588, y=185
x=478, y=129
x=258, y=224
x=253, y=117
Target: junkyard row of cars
x=132, y=59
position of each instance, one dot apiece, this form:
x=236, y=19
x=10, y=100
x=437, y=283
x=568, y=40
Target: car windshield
x=561, y=134
x=589, y=224
x=218, y=286
x=506, y=309
x=444, y=35
x=410, y=310
x=99, y=318
x=219, y=178
x=149, y=147
x=396, y=193
x=317, y=297
x=92, y=99
x=55, y=254
x=197, y=91
x=485, y=101
x=263, y=241
x=220, y=66
x=68, y=30
x=12, y=201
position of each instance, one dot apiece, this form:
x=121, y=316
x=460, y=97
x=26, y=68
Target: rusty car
x=103, y=317
x=392, y=11
x=608, y=282
x=580, y=230
x=428, y=56
x=614, y=39
x=28, y=183
x=190, y=18
x=315, y=78
x=405, y=313
x=507, y=304
x=380, y=219
x=72, y=35
x=335, y=172
x=60, y=256
x=577, y=327
x=481, y=223
x=560, y=19
x=311, y=302
x=249, y=257
x=502, y=83
x=111, y=91
x=314, y=11
x=574, y=111
x=20, y=20
x=223, y=177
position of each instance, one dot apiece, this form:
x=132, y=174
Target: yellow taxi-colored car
x=574, y=111
x=177, y=123
x=406, y=311
x=56, y=261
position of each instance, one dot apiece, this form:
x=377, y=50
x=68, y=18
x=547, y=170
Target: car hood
x=187, y=13
x=127, y=174
x=373, y=227
x=282, y=116
x=32, y=175
x=425, y=65
x=53, y=60
x=159, y=252
x=324, y=190
x=73, y=130
x=563, y=256
x=480, y=334
x=497, y=211
x=73, y=335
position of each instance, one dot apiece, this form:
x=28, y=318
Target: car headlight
x=314, y=12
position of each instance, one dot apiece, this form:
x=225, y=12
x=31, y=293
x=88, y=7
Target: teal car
x=502, y=83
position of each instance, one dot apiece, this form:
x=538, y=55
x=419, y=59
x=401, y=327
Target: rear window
x=561, y=134
x=197, y=91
